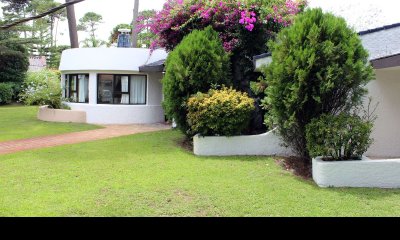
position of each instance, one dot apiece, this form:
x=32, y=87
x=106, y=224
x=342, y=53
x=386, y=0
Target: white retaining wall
x=120, y=114
x=267, y=144
x=364, y=173
x=60, y=115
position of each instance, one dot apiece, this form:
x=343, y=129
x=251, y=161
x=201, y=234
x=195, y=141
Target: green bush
x=13, y=65
x=196, y=64
x=6, y=93
x=42, y=88
x=338, y=137
x=224, y=112
x=318, y=66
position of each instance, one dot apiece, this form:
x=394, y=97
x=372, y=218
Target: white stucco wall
x=267, y=144
x=364, y=173
x=113, y=59
x=152, y=112
x=385, y=91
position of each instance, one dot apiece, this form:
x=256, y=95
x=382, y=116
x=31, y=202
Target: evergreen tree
x=195, y=65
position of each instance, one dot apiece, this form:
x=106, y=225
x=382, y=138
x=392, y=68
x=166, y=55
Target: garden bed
x=357, y=173
x=60, y=115
x=267, y=144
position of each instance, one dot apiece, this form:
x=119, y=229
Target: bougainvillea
x=229, y=17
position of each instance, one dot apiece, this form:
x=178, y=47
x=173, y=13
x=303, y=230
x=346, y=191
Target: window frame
x=68, y=92
x=129, y=89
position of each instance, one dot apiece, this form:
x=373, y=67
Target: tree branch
x=52, y=10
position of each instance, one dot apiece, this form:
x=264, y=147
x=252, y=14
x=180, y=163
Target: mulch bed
x=296, y=166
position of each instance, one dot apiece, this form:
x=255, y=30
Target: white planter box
x=267, y=144
x=61, y=115
x=362, y=173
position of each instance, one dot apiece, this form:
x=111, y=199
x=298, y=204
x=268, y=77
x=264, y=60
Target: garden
x=307, y=103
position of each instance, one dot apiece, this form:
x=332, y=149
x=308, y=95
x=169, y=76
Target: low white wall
x=364, y=173
x=120, y=114
x=60, y=115
x=267, y=144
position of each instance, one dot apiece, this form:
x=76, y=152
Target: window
x=77, y=88
x=121, y=89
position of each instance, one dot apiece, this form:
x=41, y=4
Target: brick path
x=109, y=131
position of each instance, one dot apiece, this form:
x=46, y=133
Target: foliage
x=42, y=88
x=55, y=56
x=6, y=93
x=89, y=23
x=178, y=18
x=13, y=64
x=39, y=35
x=114, y=33
x=223, y=112
x=338, y=137
x=194, y=66
x=145, y=36
x=318, y=66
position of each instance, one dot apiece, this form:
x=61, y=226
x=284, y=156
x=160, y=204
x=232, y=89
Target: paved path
x=109, y=131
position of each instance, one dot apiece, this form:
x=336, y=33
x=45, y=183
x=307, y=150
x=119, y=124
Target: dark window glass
x=77, y=88
x=122, y=89
x=105, y=89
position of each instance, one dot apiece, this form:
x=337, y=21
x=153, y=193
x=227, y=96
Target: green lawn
x=19, y=122
x=150, y=175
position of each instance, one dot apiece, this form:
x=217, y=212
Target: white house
x=383, y=45
x=114, y=85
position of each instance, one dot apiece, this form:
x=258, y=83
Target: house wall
x=152, y=112
x=385, y=91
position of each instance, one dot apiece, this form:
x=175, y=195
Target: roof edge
x=386, y=27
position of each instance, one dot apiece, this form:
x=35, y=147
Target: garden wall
x=362, y=173
x=60, y=115
x=267, y=144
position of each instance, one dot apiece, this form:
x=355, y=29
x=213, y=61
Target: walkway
x=109, y=131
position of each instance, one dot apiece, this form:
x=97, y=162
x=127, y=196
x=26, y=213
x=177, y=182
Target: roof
x=109, y=59
x=386, y=62
x=386, y=27
x=157, y=66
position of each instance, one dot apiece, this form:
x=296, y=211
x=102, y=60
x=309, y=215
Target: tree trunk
x=134, y=24
x=73, y=33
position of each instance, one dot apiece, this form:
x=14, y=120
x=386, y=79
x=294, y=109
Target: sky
x=360, y=14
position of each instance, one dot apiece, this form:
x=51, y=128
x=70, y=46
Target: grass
x=20, y=122
x=150, y=175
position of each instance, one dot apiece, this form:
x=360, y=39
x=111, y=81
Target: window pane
x=66, y=86
x=125, y=84
x=83, y=88
x=73, y=83
x=105, y=89
x=138, y=89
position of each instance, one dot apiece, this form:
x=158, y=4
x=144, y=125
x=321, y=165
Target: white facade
x=125, y=61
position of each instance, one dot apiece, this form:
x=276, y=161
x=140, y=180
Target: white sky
x=361, y=14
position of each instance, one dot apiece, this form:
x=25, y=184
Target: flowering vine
x=229, y=18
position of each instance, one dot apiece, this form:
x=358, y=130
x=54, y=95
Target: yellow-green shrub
x=224, y=112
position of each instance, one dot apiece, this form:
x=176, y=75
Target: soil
x=296, y=166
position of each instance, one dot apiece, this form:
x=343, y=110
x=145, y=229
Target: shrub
x=42, y=88
x=6, y=93
x=194, y=66
x=338, y=137
x=13, y=65
x=224, y=112
x=318, y=66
